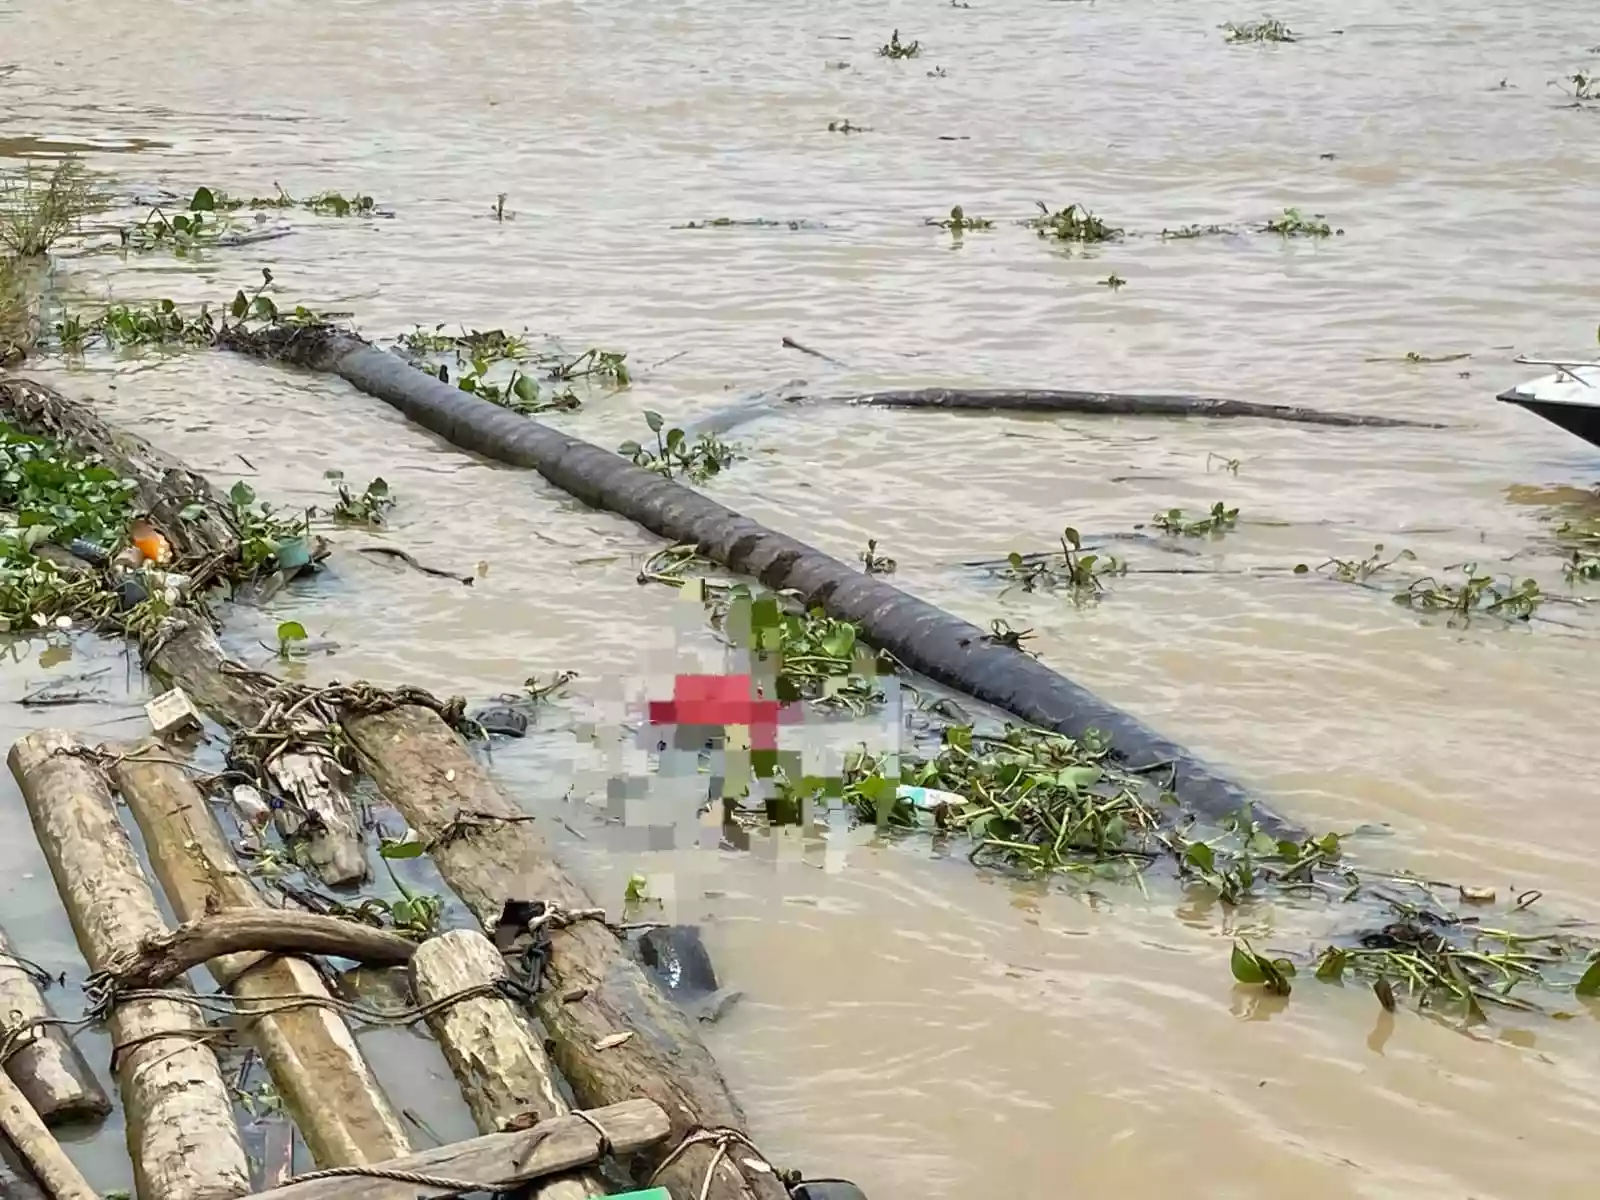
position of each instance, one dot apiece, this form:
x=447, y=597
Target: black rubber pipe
x=926, y=639
x=1033, y=400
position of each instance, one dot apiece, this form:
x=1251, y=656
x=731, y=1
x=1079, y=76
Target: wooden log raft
x=40, y=1153
x=593, y=991
x=493, y=1049
x=500, y=1161
x=310, y=1052
x=181, y=1132
x=43, y=1062
x=325, y=826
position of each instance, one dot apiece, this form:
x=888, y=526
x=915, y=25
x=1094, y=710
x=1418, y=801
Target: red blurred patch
x=721, y=700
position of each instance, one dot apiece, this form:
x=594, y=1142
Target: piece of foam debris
x=172, y=713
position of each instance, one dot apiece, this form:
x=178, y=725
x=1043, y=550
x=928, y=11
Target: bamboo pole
x=310, y=1052
x=499, y=1161
x=38, y=1148
x=47, y=1066
x=493, y=1049
x=593, y=989
x=181, y=1133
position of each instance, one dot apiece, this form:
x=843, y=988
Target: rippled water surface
x=921, y=1028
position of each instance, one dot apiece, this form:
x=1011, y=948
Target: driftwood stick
x=497, y=1055
x=499, y=1160
x=309, y=1051
x=181, y=1132
x=47, y=1066
x=38, y=1148
x=162, y=957
x=593, y=988
x=187, y=653
x=17, y=1181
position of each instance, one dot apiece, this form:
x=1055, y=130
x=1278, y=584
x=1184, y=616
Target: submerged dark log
x=1042, y=400
x=925, y=638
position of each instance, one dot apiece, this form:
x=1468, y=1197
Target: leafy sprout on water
x=1357, y=570
x=602, y=364
x=845, y=126
x=1113, y=281
x=1475, y=595
x=1582, y=87
x=1581, y=568
x=367, y=508
x=674, y=454
x=1230, y=465
x=1072, y=569
x=1294, y=223
x=958, y=222
x=1215, y=523
x=874, y=563
x=1188, y=232
x=1074, y=223
x=896, y=49
x=1265, y=30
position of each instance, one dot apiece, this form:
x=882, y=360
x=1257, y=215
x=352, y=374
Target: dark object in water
x=826, y=1189
x=507, y=722
x=677, y=957
x=131, y=592
x=90, y=552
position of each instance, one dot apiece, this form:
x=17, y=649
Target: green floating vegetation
x=958, y=222
x=1265, y=30
x=1219, y=520
x=1294, y=223
x=368, y=508
x=1072, y=570
x=477, y=354
x=1074, y=223
x=896, y=49
x=1580, y=86
x=1476, y=594
x=1037, y=803
x=328, y=204
x=675, y=455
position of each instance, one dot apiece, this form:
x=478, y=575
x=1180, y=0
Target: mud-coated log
x=166, y=486
x=500, y=1161
x=310, y=1053
x=17, y=1181
x=160, y=958
x=38, y=1149
x=926, y=639
x=181, y=1132
x=45, y=1065
x=1052, y=400
x=493, y=1049
x=593, y=988
x=185, y=652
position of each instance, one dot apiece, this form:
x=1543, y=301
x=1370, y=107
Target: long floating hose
x=1104, y=404
x=926, y=639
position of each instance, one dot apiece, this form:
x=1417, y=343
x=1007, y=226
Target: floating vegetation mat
x=1023, y=800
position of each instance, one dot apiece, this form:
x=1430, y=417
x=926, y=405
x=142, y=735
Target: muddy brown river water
x=922, y=1028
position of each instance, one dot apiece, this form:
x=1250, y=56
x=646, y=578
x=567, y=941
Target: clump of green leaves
x=1294, y=223
x=38, y=208
x=16, y=314
x=674, y=454
x=416, y=914
x=368, y=508
x=1216, y=522
x=603, y=364
x=896, y=49
x=1357, y=570
x=1072, y=569
x=1074, y=223
x=160, y=323
x=520, y=393
x=328, y=204
x=874, y=563
x=1264, y=30
x=1581, y=568
x=810, y=655
x=290, y=634
x=336, y=204
x=1476, y=595
x=1113, y=281
x=267, y=541
x=958, y=222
